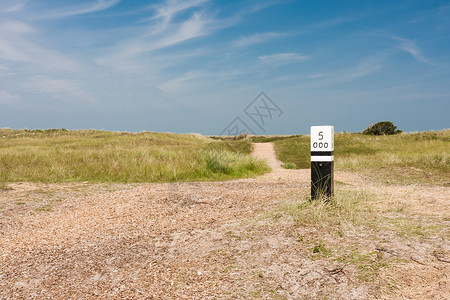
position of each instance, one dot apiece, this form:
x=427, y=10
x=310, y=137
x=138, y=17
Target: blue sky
x=195, y=65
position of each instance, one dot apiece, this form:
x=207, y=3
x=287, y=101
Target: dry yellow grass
x=101, y=156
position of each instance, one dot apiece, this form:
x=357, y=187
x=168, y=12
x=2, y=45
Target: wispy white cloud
x=19, y=50
x=411, y=47
x=127, y=51
x=264, y=4
x=320, y=81
x=8, y=99
x=9, y=51
x=283, y=58
x=11, y=6
x=335, y=22
x=176, y=22
x=68, y=91
x=178, y=82
x=98, y=5
x=12, y=46
x=16, y=44
x=195, y=26
x=15, y=27
x=363, y=68
x=198, y=80
x=166, y=11
x=257, y=38
x=267, y=36
x=316, y=76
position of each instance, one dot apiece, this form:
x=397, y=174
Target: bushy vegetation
x=241, y=136
x=425, y=155
x=60, y=155
x=382, y=128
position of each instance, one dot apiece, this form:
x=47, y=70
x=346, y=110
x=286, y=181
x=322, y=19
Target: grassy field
x=59, y=155
x=412, y=157
x=259, y=238
x=101, y=156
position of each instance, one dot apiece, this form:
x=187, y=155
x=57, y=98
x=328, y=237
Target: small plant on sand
x=319, y=247
x=290, y=165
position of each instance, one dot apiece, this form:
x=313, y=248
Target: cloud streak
x=164, y=33
x=99, y=5
x=16, y=45
x=283, y=58
x=411, y=47
x=168, y=10
x=257, y=38
x=9, y=6
x=11, y=100
x=68, y=91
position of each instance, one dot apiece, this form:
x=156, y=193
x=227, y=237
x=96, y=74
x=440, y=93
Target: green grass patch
x=368, y=264
x=346, y=207
x=408, y=157
x=44, y=208
x=294, y=151
x=319, y=247
x=350, y=209
x=270, y=138
x=60, y=155
x=256, y=138
x=289, y=165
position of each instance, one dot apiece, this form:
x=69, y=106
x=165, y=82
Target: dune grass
x=408, y=156
x=346, y=207
x=59, y=155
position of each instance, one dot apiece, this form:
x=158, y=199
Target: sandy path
x=266, y=152
x=201, y=240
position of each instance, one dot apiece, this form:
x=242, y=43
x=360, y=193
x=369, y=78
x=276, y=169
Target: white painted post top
x=322, y=138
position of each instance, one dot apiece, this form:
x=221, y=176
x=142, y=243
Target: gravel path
x=188, y=240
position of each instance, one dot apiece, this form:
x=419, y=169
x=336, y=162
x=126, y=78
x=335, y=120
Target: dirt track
x=207, y=240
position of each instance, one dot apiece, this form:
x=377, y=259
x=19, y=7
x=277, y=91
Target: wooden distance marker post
x=322, y=161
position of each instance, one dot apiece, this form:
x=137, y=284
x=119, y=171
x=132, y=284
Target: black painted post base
x=322, y=179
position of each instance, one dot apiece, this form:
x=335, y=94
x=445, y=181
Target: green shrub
x=241, y=136
x=382, y=128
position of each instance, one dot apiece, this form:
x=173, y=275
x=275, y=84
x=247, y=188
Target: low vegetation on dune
x=382, y=128
x=258, y=238
x=408, y=156
x=59, y=155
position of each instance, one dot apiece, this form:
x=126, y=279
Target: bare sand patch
x=211, y=240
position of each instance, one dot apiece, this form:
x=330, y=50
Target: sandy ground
x=209, y=240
